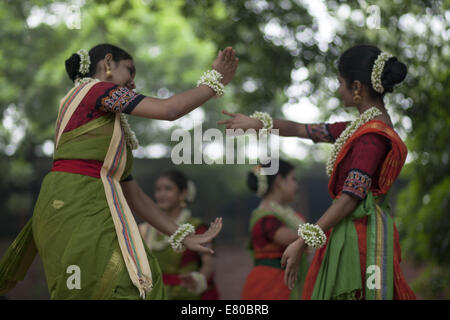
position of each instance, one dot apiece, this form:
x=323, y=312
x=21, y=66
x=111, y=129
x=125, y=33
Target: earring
x=108, y=73
x=357, y=98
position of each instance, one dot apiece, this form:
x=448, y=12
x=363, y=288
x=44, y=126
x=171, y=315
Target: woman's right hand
x=291, y=260
x=226, y=63
x=240, y=121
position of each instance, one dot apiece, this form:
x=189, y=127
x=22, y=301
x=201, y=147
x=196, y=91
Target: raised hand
x=226, y=63
x=291, y=259
x=197, y=242
x=240, y=121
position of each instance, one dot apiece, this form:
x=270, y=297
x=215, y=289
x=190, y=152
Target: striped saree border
x=68, y=106
x=129, y=239
x=380, y=253
x=128, y=235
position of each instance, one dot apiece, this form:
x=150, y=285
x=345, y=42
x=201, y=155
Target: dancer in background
x=82, y=226
x=359, y=257
x=273, y=226
x=188, y=274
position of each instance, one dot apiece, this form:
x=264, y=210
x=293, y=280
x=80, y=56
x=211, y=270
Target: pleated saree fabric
x=83, y=219
x=266, y=279
x=361, y=259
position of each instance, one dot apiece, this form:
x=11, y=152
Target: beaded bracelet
x=176, y=239
x=266, y=120
x=312, y=234
x=212, y=78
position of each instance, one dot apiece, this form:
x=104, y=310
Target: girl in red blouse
x=273, y=227
x=360, y=258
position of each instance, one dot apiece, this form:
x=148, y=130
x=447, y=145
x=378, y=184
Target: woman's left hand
x=198, y=242
x=291, y=260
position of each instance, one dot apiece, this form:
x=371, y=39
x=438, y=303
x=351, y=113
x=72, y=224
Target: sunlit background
x=288, y=51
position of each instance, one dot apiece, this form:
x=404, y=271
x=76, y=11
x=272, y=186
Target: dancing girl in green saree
x=83, y=217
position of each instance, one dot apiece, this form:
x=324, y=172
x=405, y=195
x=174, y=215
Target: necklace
x=365, y=117
x=130, y=136
x=80, y=81
x=287, y=213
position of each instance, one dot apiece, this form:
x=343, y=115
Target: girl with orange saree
x=273, y=227
x=359, y=257
x=83, y=221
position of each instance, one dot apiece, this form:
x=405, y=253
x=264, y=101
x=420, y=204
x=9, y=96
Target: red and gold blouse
x=102, y=98
x=360, y=169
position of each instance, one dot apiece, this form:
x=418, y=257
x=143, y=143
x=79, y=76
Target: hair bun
x=252, y=181
x=394, y=72
x=73, y=66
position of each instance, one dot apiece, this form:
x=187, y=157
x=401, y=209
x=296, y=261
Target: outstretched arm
x=180, y=104
x=289, y=128
x=317, y=132
x=286, y=128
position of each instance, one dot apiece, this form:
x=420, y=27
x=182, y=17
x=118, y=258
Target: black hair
x=96, y=54
x=284, y=169
x=176, y=177
x=357, y=62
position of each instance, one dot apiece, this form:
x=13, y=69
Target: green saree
x=72, y=225
x=173, y=264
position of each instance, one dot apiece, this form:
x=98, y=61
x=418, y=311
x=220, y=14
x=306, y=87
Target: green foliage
x=419, y=107
x=173, y=42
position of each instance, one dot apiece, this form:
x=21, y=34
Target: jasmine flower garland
x=312, y=234
x=176, y=239
x=266, y=120
x=85, y=61
x=263, y=184
x=347, y=133
x=130, y=136
x=80, y=81
x=191, y=191
x=212, y=78
x=286, y=212
x=156, y=244
x=377, y=71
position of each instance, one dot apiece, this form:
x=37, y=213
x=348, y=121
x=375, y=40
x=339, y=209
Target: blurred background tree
x=287, y=51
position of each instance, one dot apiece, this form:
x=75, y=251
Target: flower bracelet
x=212, y=78
x=176, y=239
x=312, y=234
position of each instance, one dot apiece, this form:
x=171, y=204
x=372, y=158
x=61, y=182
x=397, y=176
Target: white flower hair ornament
x=377, y=71
x=191, y=191
x=263, y=184
x=85, y=62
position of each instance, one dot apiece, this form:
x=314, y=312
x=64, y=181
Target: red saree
x=371, y=159
x=266, y=280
